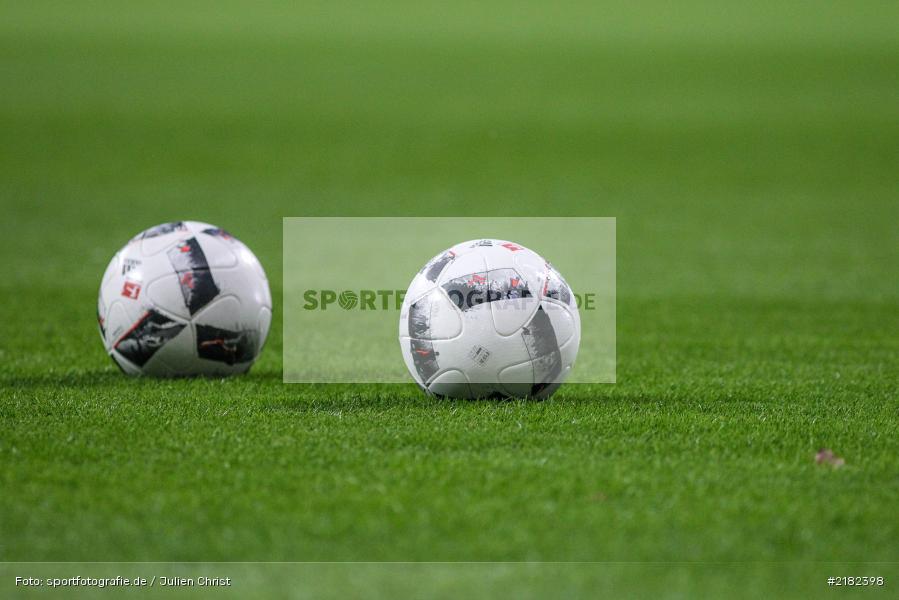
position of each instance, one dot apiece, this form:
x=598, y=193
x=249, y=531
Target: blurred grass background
x=749, y=152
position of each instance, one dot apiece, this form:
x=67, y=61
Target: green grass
x=749, y=154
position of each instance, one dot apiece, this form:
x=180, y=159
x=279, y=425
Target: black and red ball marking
x=229, y=347
x=539, y=337
x=219, y=232
x=555, y=286
x=147, y=336
x=163, y=229
x=101, y=322
x=475, y=289
x=424, y=356
x=433, y=269
x=190, y=264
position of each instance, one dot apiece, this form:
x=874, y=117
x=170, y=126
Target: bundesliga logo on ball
x=184, y=298
x=489, y=318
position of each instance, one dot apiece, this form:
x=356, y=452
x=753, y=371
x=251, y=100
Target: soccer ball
x=184, y=298
x=489, y=319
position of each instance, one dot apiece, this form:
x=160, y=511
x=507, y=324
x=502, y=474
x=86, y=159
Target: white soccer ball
x=489, y=318
x=184, y=298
